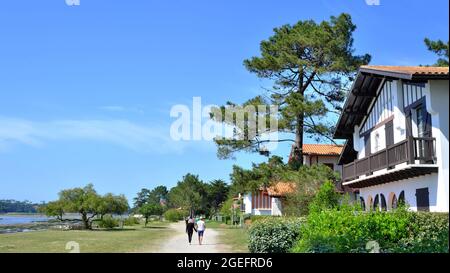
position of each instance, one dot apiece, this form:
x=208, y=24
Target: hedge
x=347, y=230
x=175, y=215
x=273, y=235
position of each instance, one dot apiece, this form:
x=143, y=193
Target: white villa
x=396, y=125
x=268, y=201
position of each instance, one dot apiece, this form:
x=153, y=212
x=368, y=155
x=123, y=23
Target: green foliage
x=146, y=196
x=326, y=198
x=217, y=192
x=112, y=204
x=7, y=206
x=440, y=48
x=131, y=221
x=142, y=197
x=255, y=218
x=226, y=208
x=148, y=210
x=273, y=235
x=189, y=193
x=262, y=174
x=53, y=209
x=87, y=203
x=428, y=233
x=311, y=66
x=108, y=222
x=308, y=181
x=347, y=229
x=175, y=215
x=157, y=195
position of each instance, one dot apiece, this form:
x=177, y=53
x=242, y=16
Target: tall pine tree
x=311, y=66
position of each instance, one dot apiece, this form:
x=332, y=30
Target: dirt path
x=178, y=243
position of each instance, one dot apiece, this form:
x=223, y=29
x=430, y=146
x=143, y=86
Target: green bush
x=428, y=233
x=108, y=222
x=131, y=221
x=175, y=215
x=273, y=235
x=326, y=198
x=348, y=229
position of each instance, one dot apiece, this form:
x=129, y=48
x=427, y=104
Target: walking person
x=190, y=228
x=201, y=226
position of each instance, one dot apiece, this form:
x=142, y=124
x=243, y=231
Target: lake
x=6, y=219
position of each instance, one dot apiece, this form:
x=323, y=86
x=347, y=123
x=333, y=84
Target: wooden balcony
x=413, y=151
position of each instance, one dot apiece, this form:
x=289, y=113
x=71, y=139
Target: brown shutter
x=408, y=123
x=367, y=144
x=389, y=133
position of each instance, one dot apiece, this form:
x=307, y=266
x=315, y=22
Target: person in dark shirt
x=190, y=228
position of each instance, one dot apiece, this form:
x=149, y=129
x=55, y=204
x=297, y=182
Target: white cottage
x=267, y=201
x=396, y=123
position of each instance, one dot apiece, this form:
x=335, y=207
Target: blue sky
x=85, y=91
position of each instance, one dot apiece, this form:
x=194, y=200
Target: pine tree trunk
x=298, y=151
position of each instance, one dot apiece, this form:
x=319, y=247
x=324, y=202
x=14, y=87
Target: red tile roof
x=322, y=149
x=280, y=189
x=406, y=71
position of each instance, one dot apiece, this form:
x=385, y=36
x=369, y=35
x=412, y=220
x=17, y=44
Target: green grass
x=130, y=239
x=235, y=237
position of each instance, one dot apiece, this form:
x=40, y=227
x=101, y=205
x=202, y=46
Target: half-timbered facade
x=395, y=121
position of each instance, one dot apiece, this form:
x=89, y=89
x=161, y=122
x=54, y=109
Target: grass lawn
x=235, y=237
x=130, y=239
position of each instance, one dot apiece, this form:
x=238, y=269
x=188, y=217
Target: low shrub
x=428, y=233
x=273, y=235
x=175, y=215
x=108, y=222
x=131, y=221
x=347, y=229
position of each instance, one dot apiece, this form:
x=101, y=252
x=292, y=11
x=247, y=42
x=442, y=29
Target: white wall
x=247, y=199
x=276, y=206
x=409, y=186
x=437, y=100
x=437, y=104
x=277, y=209
x=398, y=122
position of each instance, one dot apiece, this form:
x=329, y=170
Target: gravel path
x=178, y=243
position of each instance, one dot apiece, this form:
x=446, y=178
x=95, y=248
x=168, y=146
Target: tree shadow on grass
x=115, y=229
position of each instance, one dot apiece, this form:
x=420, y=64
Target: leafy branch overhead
x=440, y=48
x=311, y=66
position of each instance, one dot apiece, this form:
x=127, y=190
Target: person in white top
x=201, y=226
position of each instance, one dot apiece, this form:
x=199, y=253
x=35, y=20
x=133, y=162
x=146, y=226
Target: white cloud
x=137, y=137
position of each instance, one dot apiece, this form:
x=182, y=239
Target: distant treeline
x=18, y=206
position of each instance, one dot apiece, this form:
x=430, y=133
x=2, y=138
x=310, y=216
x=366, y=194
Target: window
x=261, y=200
x=376, y=203
x=423, y=199
x=329, y=165
x=363, y=205
x=394, y=202
x=383, y=203
x=401, y=199
x=420, y=121
x=377, y=142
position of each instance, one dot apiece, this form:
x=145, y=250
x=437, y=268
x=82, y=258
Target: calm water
x=21, y=219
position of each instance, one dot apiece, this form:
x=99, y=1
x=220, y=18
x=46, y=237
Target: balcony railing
x=410, y=150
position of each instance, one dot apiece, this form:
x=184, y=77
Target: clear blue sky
x=85, y=92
